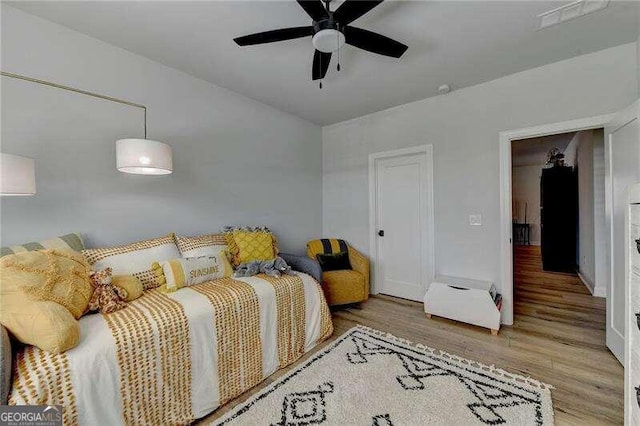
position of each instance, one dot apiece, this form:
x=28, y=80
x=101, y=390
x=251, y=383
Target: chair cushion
x=326, y=246
x=344, y=286
x=334, y=261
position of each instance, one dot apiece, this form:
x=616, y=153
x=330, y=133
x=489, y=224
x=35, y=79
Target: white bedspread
x=160, y=359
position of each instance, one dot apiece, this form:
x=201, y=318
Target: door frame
x=506, y=218
x=616, y=343
x=429, y=241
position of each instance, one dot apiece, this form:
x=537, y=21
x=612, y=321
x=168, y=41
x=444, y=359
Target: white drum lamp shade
x=143, y=157
x=17, y=175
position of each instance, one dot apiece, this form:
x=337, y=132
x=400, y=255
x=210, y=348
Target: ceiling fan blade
x=320, y=64
x=352, y=10
x=374, y=42
x=275, y=35
x=314, y=8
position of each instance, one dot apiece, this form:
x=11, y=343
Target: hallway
x=559, y=307
x=558, y=297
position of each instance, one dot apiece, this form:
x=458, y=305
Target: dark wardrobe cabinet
x=559, y=218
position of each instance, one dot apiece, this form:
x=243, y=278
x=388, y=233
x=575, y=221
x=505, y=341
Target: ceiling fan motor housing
x=327, y=37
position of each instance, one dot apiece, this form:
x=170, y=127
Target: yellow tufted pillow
x=42, y=294
x=247, y=246
x=130, y=283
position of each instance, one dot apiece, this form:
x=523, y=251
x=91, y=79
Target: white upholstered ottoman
x=461, y=299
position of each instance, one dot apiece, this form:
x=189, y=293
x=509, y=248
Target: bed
x=172, y=358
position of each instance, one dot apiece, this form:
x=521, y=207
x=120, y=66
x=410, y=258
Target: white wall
x=638, y=52
x=586, y=153
x=463, y=127
x=236, y=161
x=571, y=151
x=600, y=233
x=586, y=209
x=525, y=184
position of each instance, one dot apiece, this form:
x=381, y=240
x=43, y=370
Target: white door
x=402, y=224
x=622, y=168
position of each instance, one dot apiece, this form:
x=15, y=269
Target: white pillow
x=177, y=273
x=135, y=258
x=203, y=245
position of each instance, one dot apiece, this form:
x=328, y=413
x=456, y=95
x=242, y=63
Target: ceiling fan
x=330, y=31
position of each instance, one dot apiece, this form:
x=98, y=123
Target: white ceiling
x=533, y=151
x=454, y=42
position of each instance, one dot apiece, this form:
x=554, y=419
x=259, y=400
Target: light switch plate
x=475, y=219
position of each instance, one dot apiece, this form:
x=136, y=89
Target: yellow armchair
x=344, y=286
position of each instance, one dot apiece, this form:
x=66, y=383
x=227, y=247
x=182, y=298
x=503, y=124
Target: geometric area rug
x=368, y=377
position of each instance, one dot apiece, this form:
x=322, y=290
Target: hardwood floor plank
x=558, y=337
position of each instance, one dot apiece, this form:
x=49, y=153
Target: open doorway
x=621, y=168
x=558, y=213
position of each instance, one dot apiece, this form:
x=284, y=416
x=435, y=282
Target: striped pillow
x=69, y=241
x=326, y=246
x=203, y=245
x=177, y=273
x=135, y=258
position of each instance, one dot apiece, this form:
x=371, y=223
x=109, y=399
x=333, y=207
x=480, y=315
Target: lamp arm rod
x=82, y=92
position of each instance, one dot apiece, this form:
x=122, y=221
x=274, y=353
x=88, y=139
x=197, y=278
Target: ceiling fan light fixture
x=330, y=31
x=328, y=40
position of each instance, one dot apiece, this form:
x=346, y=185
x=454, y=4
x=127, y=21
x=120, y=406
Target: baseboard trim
x=595, y=291
x=600, y=292
x=587, y=283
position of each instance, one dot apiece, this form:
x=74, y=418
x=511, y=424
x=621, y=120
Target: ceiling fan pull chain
x=320, y=66
x=338, y=43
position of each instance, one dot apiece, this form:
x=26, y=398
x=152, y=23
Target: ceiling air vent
x=570, y=11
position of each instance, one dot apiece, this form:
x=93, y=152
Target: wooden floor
x=557, y=337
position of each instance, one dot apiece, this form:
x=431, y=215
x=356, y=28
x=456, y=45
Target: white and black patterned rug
x=367, y=377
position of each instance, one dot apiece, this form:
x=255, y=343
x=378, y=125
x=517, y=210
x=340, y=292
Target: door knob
x=381, y=233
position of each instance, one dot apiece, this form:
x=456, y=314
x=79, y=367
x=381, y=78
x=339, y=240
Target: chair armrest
x=303, y=264
x=360, y=263
x=5, y=366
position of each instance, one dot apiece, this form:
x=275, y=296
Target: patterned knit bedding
x=172, y=358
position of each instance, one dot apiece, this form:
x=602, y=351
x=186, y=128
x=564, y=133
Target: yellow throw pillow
x=42, y=294
x=247, y=246
x=130, y=283
x=177, y=273
x=44, y=324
